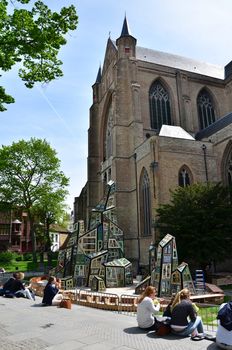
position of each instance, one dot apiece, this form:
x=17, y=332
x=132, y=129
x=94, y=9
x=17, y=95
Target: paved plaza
x=25, y=325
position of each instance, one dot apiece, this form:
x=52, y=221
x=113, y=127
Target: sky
x=59, y=111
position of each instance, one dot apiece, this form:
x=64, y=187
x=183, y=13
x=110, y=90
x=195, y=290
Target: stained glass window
x=145, y=204
x=184, y=177
x=206, y=110
x=160, y=110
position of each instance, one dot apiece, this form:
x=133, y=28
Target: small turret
x=99, y=76
x=125, y=29
x=126, y=43
x=95, y=86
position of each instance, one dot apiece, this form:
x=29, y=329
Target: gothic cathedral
x=157, y=121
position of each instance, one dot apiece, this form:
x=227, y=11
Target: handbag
x=66, y=303
x=162, y=327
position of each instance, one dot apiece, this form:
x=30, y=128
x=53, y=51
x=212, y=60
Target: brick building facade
x=157, y=121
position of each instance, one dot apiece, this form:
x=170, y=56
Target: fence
x=127, y=305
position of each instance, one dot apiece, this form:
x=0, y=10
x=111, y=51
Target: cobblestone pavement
x=25, y=325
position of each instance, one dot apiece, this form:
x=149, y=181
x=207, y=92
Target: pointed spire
x=125, y=28
x=99, y=76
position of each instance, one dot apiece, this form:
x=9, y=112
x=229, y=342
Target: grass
x=209, y=315
x=24, y=266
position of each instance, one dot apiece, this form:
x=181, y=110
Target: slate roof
x=125, y=28
x=180, y=62
x=215, y=127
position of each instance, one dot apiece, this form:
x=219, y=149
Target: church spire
x=125, y=28
x=99, y=76
x=126, y=43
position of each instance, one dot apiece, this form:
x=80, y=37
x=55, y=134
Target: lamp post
x=203, y=147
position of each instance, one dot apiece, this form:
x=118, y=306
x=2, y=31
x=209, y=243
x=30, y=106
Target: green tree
x=29, y=172
x=30, y=33
x=200, y=217
x=50, y=209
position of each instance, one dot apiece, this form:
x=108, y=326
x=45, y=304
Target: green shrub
x=6, y=257
x=27, y=257
x=18, y=258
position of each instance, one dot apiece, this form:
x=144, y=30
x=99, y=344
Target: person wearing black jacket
x=181, y=311
x=6, y=289
x=50, y=296
x=14, y=287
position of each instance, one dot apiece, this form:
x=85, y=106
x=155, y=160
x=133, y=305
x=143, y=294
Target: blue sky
x=59, y=111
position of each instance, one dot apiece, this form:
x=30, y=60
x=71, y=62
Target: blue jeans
x=197, y=324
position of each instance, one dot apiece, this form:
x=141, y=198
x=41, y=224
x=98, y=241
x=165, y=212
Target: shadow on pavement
x=36, y=305
x=134, y=330
x=167, y=337
x=212, y=346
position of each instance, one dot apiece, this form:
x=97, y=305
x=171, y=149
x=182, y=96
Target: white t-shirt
x=145, y=311
x=223, y=335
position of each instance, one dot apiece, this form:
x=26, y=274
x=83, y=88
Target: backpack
x=225, y=316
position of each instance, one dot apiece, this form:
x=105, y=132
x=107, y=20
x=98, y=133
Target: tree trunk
x=33, y=237
x=48, y=245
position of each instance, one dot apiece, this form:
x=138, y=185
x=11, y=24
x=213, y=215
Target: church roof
x=180, y=62
x=215, y=127
x=175, y=131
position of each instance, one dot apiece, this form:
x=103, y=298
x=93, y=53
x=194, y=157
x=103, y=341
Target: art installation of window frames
x=167, y=261
x=88, y=252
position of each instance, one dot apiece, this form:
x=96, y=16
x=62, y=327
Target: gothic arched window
x=184, y=177
x=228, y=166
x=160, y=110
x=206, y=110
x=145, y=204
x=108, y=140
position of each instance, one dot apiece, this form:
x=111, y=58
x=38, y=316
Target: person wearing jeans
x=184, y=320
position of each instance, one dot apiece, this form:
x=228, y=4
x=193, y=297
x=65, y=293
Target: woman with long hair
x=147, y=307
x=182, y=310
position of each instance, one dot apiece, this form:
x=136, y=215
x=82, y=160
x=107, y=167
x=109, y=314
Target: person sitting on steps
x=51, y=294
x=147, y=307
x=182, y=310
